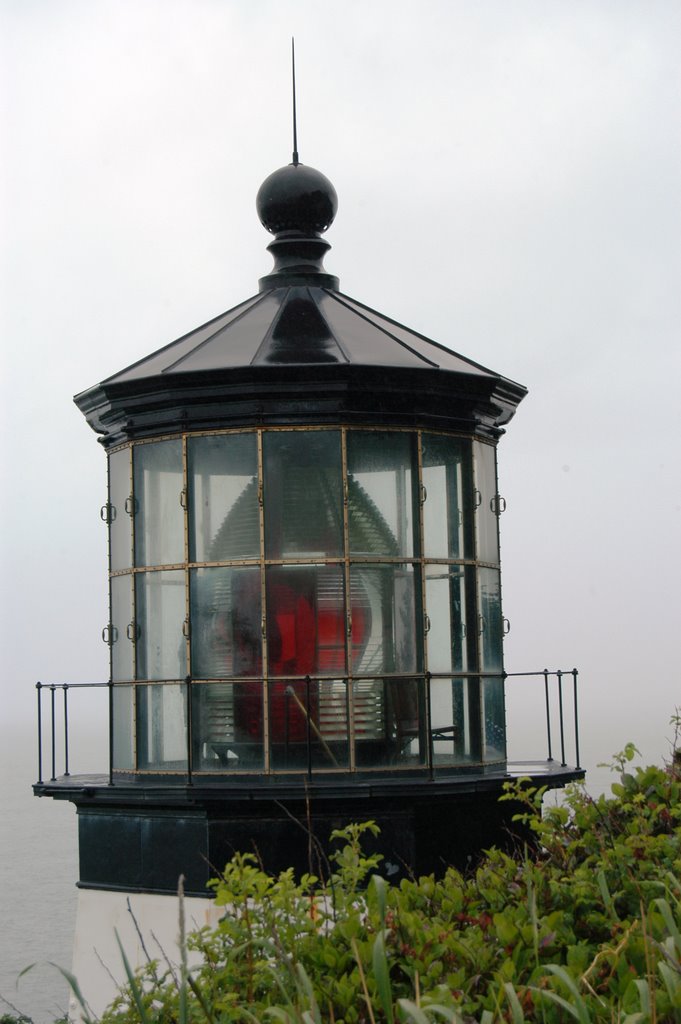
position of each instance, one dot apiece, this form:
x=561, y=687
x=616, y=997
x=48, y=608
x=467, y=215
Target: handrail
x=548, y=675
x=559, y=674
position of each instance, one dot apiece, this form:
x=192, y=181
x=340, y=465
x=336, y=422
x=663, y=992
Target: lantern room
x=306, y=623
x=332, y=594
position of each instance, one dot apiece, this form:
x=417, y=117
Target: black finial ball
x=296, y=198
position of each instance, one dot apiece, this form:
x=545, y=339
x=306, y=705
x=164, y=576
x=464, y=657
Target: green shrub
x=586, y=926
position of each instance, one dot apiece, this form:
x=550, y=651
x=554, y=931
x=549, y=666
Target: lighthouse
x=306, y=622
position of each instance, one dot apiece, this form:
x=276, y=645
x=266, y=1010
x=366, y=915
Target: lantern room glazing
x=305, y=599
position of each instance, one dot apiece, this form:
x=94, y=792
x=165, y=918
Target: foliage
x=586, y=926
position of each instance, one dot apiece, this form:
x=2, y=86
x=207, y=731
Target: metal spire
x=295, y=125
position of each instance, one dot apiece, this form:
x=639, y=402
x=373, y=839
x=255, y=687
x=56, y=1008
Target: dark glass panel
x=122, y=648
x=451, y=719
x=160, y=606
x=309, y=725
x=303, y=500
x=120, y=520
x=159, y=516
x=224, y=513
x=448, y=504
x=490, y=621
x=162, y=727
x=450, y=606
x=228, y=719
x=381, y=496
x=486, y=518
x=226, y=622
x=384, y=632
x=306, y=621
x=403, y=740
x=494, y=732
x=123, y=727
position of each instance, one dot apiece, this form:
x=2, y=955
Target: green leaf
x=409, y=1011
x=134, y=987
x=516, y=1009
x=382, y=976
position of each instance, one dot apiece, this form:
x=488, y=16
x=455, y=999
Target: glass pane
x=490, y=621
x=162, y=727
x=403, y=739
x=306, y=622
x=309, y=725
x=450, y=606
x=160, y=604
x=494, y=719
x=159, y=516
x=226, y=622
x=454, y=741
x=120, y=526
x=122, y=648
x=223, y=498
x=448, y=505
x=384, y=633
x=123, y=727
x=227, y=719
x=302, y=494
x=486, y=519
x=381, y=493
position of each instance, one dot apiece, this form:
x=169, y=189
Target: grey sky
x=508, y=176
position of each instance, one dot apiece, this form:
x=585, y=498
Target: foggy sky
x=508, y=177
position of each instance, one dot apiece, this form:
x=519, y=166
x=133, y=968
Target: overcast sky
x=508, y=174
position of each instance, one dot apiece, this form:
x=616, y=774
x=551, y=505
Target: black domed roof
x=299, y=352
x=296, y=198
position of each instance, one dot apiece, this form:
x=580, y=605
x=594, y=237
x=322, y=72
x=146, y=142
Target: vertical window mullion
x=350, y=697
x=263, y=607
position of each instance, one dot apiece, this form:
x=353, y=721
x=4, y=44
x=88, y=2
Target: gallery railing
x=555, y=684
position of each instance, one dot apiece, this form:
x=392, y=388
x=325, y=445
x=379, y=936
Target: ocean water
x=38, y=872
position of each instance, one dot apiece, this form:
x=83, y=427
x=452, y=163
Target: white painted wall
x=97, y=963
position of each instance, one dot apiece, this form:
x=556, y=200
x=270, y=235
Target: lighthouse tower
x=306, y=625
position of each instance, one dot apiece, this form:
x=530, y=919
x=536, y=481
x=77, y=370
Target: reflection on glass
x=162, y=727
x=229, y=720
x=494, y=719
x=403, y=741
x=450, y=604
x=120, y=521
x=455, y=721
x=380, y=493
x=305, y=620
x=223, y=497
x=123, y=727
x=309, y=725
x=160, y=603
x=486, y=519
x=384, y=636
x=159, y=517
x=226, y=622
x=122, y=648
x=302, y=494
x=491, y=623
x=448, y=505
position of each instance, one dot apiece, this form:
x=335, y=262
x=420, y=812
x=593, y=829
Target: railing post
x=190, y=737
x=429, y=729
x=111, y=732
x=548, y=712
x=308, y=725
x=574, y=692
x=66, y=730
x=39, y=687
x=563, y=762
x=54, y=774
